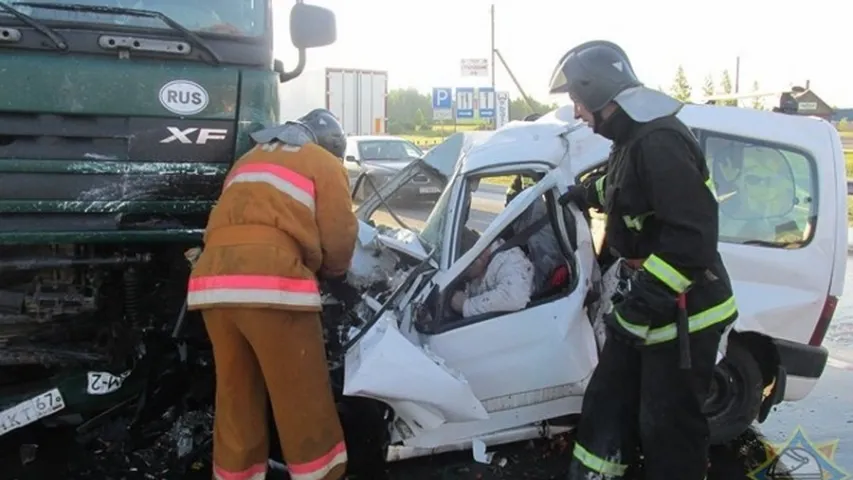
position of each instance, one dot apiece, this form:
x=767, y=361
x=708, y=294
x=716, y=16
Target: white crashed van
x=456, y=382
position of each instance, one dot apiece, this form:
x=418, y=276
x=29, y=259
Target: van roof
x=544, y=139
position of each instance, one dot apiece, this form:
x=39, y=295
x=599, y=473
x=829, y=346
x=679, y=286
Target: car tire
x=736, y=393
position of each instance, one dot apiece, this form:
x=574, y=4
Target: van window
x=768, y=193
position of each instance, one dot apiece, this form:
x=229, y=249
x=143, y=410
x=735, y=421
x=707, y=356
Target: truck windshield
x=228, y=17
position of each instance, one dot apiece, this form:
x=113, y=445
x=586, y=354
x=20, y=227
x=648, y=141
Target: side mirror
x=351, y=158
x=310, y=26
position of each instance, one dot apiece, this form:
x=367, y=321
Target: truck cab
x=118, y=122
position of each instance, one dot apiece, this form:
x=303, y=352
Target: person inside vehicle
x=541, y=246
x=497, y=280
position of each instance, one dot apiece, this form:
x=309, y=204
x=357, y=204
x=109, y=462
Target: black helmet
x=532, y=117
x=598, y=72
x=593, y=73
x=327, y=130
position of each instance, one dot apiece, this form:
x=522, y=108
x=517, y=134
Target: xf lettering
x=204, y=135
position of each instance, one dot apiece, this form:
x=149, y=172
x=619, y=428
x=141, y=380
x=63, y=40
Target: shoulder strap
x=521, y=237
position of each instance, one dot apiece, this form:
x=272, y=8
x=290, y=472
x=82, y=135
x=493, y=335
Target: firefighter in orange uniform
x=284, y=218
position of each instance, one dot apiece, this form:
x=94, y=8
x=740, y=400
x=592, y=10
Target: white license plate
x=429, y=190
x=31, y=410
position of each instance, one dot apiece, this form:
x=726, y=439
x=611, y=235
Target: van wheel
x=736, y=392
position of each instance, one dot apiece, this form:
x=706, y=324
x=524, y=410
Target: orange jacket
x=284, y=216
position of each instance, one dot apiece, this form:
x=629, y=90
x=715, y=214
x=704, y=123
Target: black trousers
x=638, y=400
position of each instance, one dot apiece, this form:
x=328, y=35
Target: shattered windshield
x=432, y=235
x=229, y=17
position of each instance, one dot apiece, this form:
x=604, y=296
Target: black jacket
x=661, y=208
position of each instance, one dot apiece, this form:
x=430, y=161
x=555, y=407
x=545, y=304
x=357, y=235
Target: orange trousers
x=260, y=350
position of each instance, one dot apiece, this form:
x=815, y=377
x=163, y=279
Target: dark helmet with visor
x=598, y=72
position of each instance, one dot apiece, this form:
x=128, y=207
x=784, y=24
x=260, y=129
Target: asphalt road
x=825, y=416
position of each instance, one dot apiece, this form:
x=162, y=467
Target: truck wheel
x=736, y=392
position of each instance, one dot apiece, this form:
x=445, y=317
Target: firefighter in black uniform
x=663, y=333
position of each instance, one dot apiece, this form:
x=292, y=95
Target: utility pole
x=737, y=75
x=493, y=66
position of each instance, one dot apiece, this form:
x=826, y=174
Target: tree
x=680, y=86
x=518, y=108
x=726, y=87
x=708, y=88
x=757, y=102
x=403, y=105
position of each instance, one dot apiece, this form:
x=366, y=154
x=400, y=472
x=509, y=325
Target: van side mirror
x=351, y=158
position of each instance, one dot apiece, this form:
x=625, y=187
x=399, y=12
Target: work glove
x=648, y=304
x=342, y=291
x=575, y=194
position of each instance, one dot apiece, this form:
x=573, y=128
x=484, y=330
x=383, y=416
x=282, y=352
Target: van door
x=778, y=210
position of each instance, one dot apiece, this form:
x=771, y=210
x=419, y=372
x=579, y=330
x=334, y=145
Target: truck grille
x=41, y=136
x=88, y=158
x=44, y=136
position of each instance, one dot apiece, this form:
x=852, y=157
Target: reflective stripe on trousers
x=243, y=289
x=297, y=186
x=255, y=472
x=699, y=321
x=319, y=468
x=597, y=464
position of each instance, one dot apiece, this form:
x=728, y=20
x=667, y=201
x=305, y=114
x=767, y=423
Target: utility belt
x=630, y=268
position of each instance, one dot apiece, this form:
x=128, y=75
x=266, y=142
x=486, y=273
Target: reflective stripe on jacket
x=284, y=216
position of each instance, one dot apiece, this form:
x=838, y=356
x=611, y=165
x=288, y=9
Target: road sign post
x=502, y=113
x=442, y=103
x=475, y=67
x=486, y=102
x=464, y=103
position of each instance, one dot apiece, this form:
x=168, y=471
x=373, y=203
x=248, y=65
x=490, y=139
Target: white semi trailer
x=356, y=96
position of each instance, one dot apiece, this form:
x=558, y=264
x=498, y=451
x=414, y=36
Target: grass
x=848, y=160
x=504, y=181
x=437, y=134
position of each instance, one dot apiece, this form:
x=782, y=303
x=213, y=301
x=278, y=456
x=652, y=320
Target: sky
x=421, y=43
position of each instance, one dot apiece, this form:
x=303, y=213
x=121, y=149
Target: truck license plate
x=429, y=190
x=31, y=410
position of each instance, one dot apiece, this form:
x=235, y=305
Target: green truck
x=118, y=122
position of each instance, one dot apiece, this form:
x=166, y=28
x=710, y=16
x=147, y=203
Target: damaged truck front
x=117, y=127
